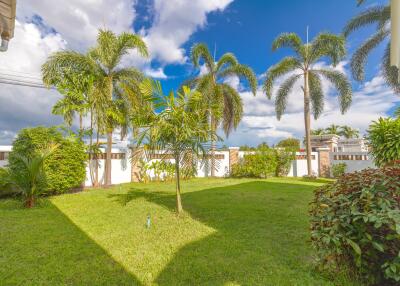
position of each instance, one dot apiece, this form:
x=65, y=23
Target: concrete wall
x=355, y=161
x=299, y=166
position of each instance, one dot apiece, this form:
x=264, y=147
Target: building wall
x=299, y=166
x=355, y=161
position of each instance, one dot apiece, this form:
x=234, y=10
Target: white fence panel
x=355, y=161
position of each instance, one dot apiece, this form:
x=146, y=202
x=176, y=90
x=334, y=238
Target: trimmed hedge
x=355, y=222
x=65, y=169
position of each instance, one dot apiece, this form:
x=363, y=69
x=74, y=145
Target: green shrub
x=384, y=139
x=64, y=169
x=339, y=170
x=291, y=143
x=284, y=160
x=258, y=165
x=355, y=223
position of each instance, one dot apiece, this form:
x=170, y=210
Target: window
x=4, y=156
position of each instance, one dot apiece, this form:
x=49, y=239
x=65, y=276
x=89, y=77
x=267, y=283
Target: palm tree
x=319, y=131
x=380, y=16
x=349, y=133
x=32, y=182
x=333, y=130
x=110, y=78
x=301, y=65
x=179, y=130
x=223, y=102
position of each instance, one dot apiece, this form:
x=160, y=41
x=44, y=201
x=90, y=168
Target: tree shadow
x=44, y=247
x=261, y=235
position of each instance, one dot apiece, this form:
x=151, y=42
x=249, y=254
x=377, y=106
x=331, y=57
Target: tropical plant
x=179, y=130
x=384, y=140
x=261, y=164
x=355, y=225
x=333, y=129
x=64, y=168
x=339, y=169
x=223, y=102
x=115, y=88
x=319, y=131
x=348, y=132
x=32, y=181
x=381, y=17
x=302, y=65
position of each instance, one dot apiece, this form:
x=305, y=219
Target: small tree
x=179, y=130
x=290, y=143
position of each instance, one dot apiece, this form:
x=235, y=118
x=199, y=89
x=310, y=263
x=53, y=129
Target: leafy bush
x=384, y=139
x=339, y=170
x=355, y=222
x=64, y=168
x=258, y=165
x=284, y=160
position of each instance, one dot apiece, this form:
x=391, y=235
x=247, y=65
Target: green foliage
x=384, y=139
x=261, y=164
x=32, y=182
x=291, y=143
x=64, y=168
x=339, y=170
x=284, y=160
x=355, y=223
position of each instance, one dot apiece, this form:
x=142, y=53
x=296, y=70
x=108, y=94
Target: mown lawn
x=234, y=232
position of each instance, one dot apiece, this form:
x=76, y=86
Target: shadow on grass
x=45, y=247
x=261, y=239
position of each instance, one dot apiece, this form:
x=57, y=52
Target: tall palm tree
x=333, y=129
x=348, y=132
x=379, y=16
x=104, y=62
x=302, y=65
x=223, y=102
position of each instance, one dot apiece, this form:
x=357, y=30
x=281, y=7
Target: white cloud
x=175, y=22
x=26, y=106
x=156, y=73
x=370, y=101
x=78, y=21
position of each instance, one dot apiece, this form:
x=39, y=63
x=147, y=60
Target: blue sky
x=170, y=28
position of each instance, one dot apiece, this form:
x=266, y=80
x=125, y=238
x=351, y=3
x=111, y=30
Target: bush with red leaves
x=355, y=223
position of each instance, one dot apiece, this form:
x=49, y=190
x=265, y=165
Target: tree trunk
x=178, y=186
x=307, y=122
x=96, y=174
x=108, y=159
x=91, y=155
x=109, y=146
x=80, y=124
x=213, y=147
x=30, y=202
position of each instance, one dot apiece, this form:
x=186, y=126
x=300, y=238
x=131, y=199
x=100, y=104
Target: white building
x=4, y=151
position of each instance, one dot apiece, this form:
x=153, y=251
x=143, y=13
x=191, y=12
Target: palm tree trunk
x=307, y=122
x=96, y=175
x=109, y=146
x=178, y=186
x=213, y=147
x=80, y=123
x=91, y=155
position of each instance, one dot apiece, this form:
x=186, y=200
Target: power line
x=21, y=83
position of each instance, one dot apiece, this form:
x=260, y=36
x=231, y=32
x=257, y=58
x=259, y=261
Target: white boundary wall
x=299, y=166
x=355, y=161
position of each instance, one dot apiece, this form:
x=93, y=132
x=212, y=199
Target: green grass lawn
x=233, y=232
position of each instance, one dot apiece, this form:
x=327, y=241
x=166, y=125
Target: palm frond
x=201, y=51
x=243, y=72
x=329, y=45
x=233, y=109
x=359, y=58
x=390, y=73
x=316, y=94
x=376, y=15
x=288, y=40
x=285, y=66
x=342, y=84
x=227, y=59
x=283, y=94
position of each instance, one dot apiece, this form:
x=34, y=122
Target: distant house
x=4, y=152
x=336, y=144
